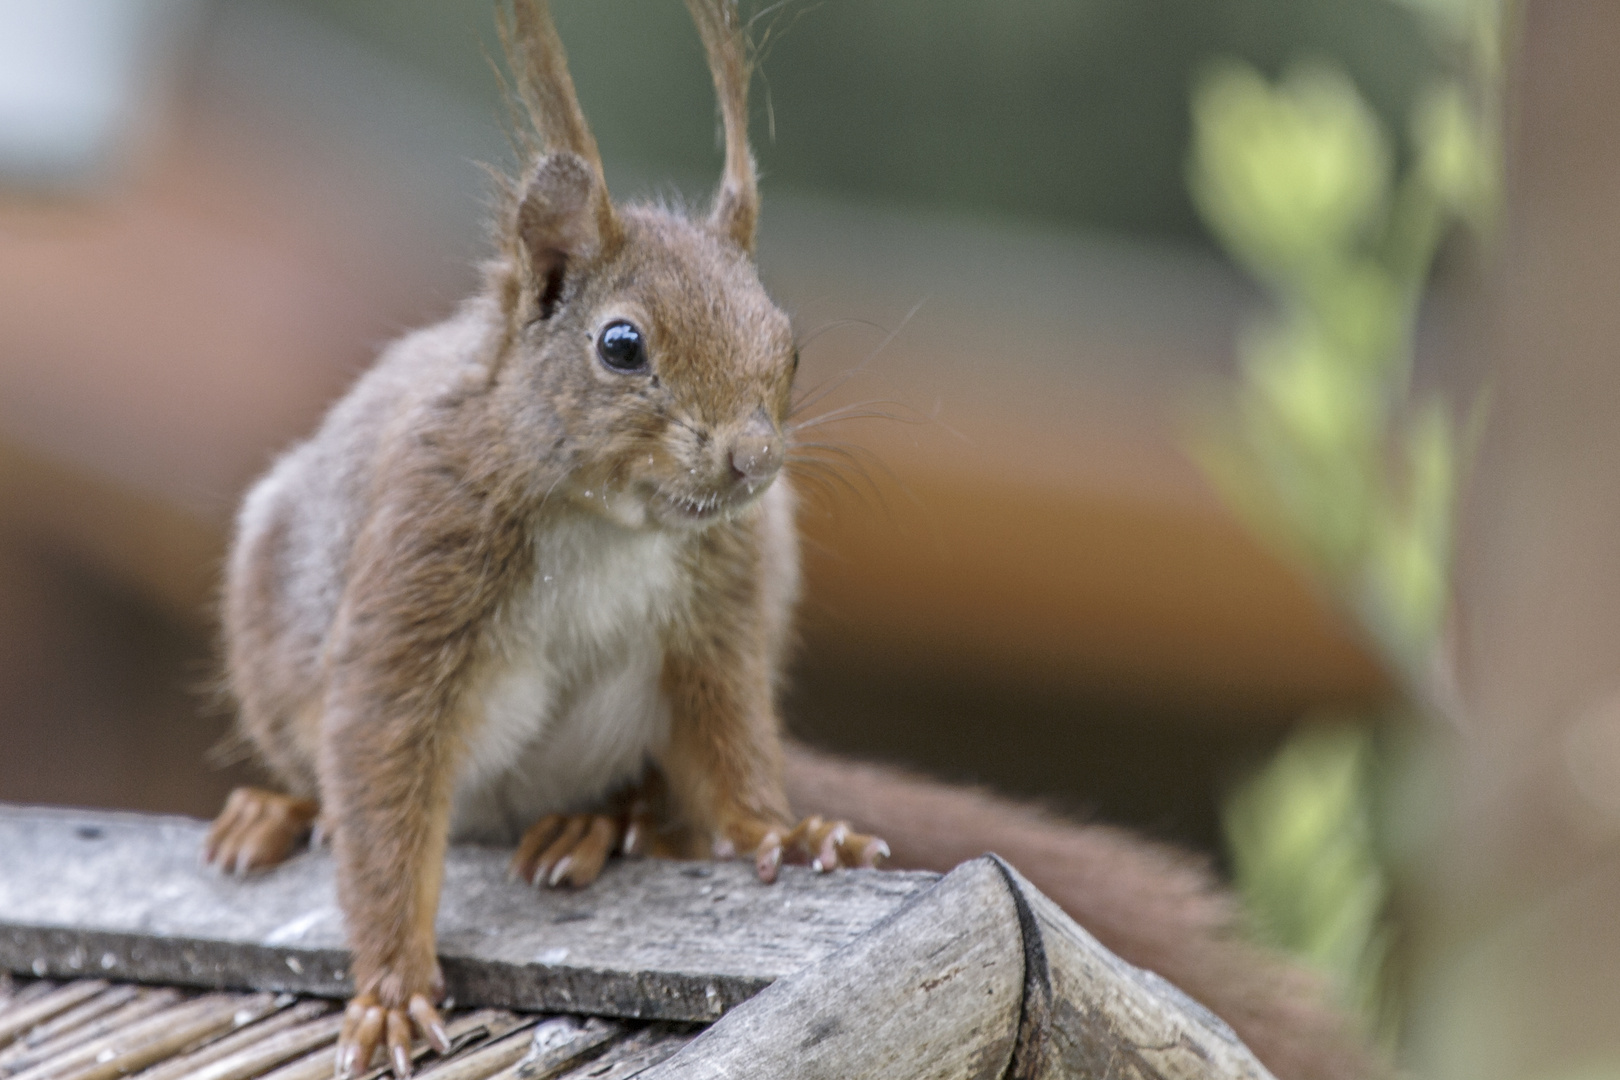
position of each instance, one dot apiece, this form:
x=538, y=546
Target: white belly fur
x=572, y=706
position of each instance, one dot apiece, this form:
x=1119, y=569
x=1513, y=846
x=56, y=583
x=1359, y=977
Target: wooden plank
x=936, y=990
x=1089, y=1013
x=122, y=896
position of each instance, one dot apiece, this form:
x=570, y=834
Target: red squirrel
x=531, y=580
x=535, y=549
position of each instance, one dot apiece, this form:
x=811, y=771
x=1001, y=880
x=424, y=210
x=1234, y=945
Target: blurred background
x=216, y=213
x=1242, y=462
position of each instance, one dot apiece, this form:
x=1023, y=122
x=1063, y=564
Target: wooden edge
x=122, y=896
x=935, y=989
x=980, y=976
x=1086, y=1012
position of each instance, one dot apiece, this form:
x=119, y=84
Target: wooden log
x=122, y=896
x=981, y=976
x=936, y=990
x=1088, y=1013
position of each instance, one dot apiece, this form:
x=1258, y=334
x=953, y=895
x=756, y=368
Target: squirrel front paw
x=824, y=845
x=369, y=1022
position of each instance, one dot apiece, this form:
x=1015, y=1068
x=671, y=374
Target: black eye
x=621, y=347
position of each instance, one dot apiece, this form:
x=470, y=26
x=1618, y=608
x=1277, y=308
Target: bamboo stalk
x=20, y=1018
x=144, y=1003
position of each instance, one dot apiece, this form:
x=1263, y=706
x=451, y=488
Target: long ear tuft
x=546, y=91
x=725, y=40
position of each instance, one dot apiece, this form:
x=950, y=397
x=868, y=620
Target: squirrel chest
x=571, y=701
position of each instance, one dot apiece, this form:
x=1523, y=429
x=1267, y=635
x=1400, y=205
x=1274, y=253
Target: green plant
x=1325, y=449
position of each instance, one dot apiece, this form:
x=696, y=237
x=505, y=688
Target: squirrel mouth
x=695, y=508
x=705, y=508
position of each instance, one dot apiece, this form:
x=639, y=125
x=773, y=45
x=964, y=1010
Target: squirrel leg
x=389, y=873
x=725, y=769
x=258, y=829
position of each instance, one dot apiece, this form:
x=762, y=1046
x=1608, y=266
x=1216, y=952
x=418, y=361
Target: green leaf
x=1305, y=861
x=1290, y=176
x=1456, y=158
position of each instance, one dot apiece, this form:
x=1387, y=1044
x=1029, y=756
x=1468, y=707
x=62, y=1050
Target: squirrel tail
x=1158, y=907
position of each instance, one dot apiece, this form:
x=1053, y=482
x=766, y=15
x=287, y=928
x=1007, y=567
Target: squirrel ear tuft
x=558, y=221
x=725, y=42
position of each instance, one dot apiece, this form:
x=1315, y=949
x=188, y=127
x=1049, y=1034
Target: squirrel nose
x=757, y=452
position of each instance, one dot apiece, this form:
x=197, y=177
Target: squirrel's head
x=660, y=370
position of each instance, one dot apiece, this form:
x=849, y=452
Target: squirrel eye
x=621, y=347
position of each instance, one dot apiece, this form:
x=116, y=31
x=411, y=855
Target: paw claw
x=566, y=849
x=829, y=845
x=768, y=858
x=368, y=1026
x=560, y=871
x=426, y=1018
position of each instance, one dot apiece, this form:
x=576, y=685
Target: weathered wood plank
x=1089, y=1013
x=934, y=991
x=122, y=896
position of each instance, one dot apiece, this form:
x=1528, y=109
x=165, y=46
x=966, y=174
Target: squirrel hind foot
x=258, y=829
x=568, y=849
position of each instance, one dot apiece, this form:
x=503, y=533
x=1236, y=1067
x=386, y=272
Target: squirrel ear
x=725, y=42
x=558, y=219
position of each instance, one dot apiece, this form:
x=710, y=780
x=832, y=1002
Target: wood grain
x=934, y=991
x=1089, y=1013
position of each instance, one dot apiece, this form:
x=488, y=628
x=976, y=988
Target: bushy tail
x=1157, y=907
